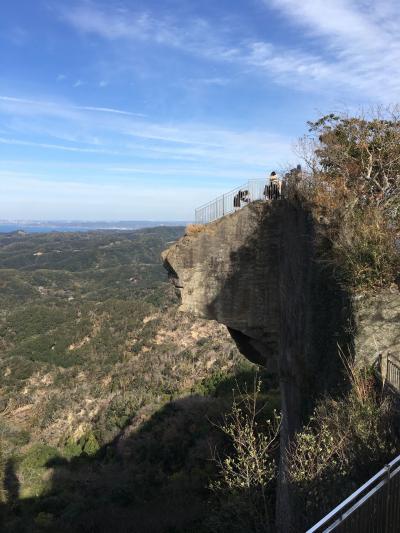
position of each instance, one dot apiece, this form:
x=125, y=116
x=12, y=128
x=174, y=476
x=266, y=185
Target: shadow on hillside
x=150, y=478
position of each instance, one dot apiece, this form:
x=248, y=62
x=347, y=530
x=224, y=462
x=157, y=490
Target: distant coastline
x=81, y=226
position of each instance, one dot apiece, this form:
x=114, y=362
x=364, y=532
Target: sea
x=44, y=227
x=8, y=228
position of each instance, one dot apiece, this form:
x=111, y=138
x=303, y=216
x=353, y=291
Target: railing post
x=387, y=368
x=387, y=530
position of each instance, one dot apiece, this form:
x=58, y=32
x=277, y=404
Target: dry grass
x=193, y=229
x=364, y=249
x=359, y=238
x=346, y=440
x=352, y=186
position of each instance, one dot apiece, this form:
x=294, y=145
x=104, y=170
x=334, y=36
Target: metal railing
x=373, y=508
x=393, y=372
x=236, y=199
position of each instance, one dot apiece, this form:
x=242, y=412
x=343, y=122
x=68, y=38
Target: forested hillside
x=107, y=391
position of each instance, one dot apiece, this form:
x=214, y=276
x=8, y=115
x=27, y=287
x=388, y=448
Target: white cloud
x=216, y=80
x=287, y=64
x=357, y=43
x=116, y=132
x=109, y=110
x=115, y=24
x=41, y=106
x=18, y=142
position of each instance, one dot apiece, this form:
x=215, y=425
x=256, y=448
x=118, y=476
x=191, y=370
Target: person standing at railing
x=242, y=197
x=245, y=196
x=272, y=191
x=275, y=184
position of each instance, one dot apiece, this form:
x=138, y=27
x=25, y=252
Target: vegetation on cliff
x=347, y=439
x=353, y=182
x=244, y=489
x=107, y=391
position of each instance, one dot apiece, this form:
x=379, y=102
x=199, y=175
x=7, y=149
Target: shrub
x=364, y=152
x=247, y=473
x=71, y=448
x=364, y=249
x=91, y=446
x=192, y=229
x=44, y=520
x=32, y=468
x=209, y=385
x=353, y=188
x=344, y=443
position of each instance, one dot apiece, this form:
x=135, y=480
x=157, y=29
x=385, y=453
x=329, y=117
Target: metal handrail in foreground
x=229, y=202
x=374, y=507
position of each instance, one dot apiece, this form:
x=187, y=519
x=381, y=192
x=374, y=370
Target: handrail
x=236, y=189
x=235, y=199
x=393, y=372
x=370, y=500
x=340, y=513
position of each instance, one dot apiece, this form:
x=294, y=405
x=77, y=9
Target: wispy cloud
x=359, y=42
x=172, y=139
x=18, y=36
x=113, y=24
x=109, y=110
x=41, y=105
x=356, y=42
x=218, y=81
x=201, y=149
x=64, y=148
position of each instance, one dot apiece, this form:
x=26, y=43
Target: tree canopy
x=364, y=153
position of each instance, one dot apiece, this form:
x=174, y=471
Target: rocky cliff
x=258, y=272
x=229, y=272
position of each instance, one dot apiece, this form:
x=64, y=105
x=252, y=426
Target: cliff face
x=377, y=326
x=229, y=272
x=257, y=272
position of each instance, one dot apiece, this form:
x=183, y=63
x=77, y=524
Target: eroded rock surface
x=229, y=272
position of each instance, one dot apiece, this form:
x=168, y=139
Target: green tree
x=353, y=183
x=365, y=152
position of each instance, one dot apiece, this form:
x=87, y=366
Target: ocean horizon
x=70, y=227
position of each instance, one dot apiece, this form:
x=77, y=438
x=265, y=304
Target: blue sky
x=145, y=109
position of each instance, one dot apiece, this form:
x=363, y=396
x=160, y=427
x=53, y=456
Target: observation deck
x=236, y=199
